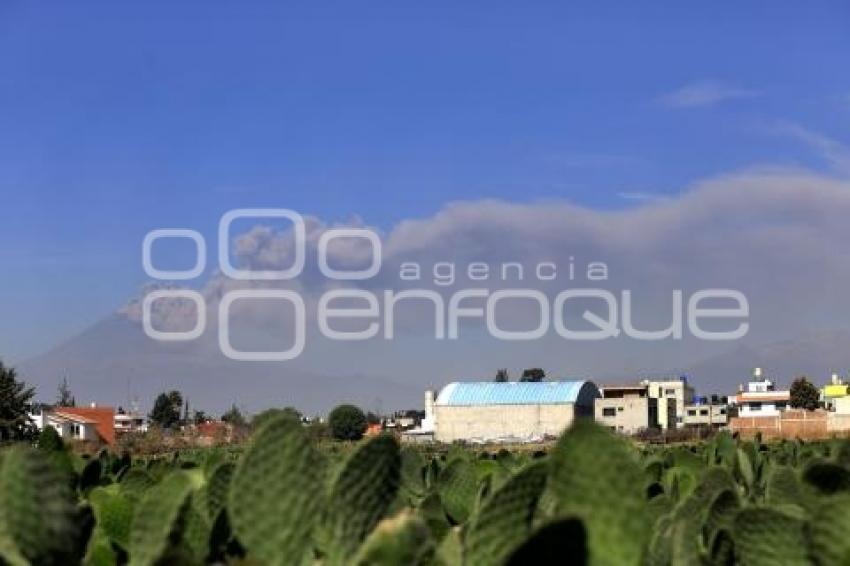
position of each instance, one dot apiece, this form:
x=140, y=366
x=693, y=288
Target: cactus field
x=593, y=498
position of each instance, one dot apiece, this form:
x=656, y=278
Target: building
x=832, y=392
x=676, y=389
x=507, y=412
x=706, y=415
x=761, y=398
x=629, y=409
x=86, y=424
x=126, y=422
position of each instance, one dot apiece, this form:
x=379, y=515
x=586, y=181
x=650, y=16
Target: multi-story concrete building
x=511, y=411
x=836, y=389
x=626, y=408
x=761, y=398
x=676, y=389
x=706, y=415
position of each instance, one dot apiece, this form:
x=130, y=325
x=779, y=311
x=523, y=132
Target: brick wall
x=792, y=423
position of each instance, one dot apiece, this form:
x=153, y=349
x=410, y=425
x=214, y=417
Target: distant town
x=532, y=409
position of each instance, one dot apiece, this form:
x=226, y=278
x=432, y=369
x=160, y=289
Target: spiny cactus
x=458, y=488
x=217, y=489
x=275, y=494
x=403, y=539
x=765, y=536
x=113, y=513
x=596, y=477
x=38, y=513
x=158, y=520
x=505, y=519
x=360, y=494
x=828, y=528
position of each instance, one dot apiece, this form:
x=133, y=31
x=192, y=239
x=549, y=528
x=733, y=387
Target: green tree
x=502, y=376
x=200, y=417
x=50, y=441
x=347, y=422
x=166, y=409
x=533, y=374
x=65, y=398
x=233, y=416
x=804, y=394
x=15, y=401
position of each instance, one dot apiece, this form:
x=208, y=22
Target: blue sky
x=119, y=118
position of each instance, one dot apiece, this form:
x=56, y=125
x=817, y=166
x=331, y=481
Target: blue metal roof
x=509, y=393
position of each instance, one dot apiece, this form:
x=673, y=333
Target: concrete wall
x=492, y=422
x=631, y=413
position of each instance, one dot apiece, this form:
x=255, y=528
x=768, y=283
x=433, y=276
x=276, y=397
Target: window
x=723, y=411
x=620, y=409
x=755, y=406
x=703, y=412
x=692, y=412
x=670, y=392
x=609, y=412
x=75, y=430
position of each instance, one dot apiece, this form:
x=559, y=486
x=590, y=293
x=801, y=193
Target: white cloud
x=643, y=196
x=833, y=151
x=705, y=93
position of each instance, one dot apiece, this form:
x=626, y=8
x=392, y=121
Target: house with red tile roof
x=90, y=424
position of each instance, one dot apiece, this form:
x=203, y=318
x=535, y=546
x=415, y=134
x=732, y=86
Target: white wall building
x=509, y=412
x=761, y=399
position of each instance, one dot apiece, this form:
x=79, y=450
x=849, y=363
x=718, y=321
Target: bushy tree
x=50, y=441
x=200, y=417
x=166, y=409
x=233, y=416
x=502, y=376
x=15, y=401
x=533, y=374
x=347, y=422
x=804, y=394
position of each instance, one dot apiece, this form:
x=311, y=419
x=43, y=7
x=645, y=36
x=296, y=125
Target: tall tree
x=502, y=376
x=533, y=374
x=64, y=397
x=804, y=394
x=233, y=416
x=166, y=409
x=15, y=401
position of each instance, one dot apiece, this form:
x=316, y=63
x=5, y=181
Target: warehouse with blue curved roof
x=509, y=411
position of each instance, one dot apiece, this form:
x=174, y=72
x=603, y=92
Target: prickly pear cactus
x=276, y=494
x=38, y=514
x=828, y=530
x=458, y=488
x=595, y=476
x=360, y=494
x=158, y=520
x=217, y=489
x=403, y=539
x=113, y=514
x=766, y=537
x=505, y=519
